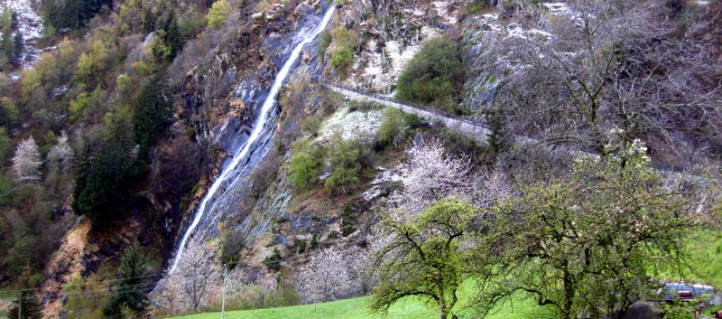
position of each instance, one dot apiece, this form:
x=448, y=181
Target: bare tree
x=26, y=162
x=577, y=71
x=251, y=286
x=194, y=282
x=61, y=155
x=331, y=274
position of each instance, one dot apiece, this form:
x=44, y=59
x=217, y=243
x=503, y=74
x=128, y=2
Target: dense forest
x=564, y=154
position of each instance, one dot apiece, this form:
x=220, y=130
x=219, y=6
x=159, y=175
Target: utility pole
x=223, y=294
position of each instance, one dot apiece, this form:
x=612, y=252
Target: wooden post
x=223, y=294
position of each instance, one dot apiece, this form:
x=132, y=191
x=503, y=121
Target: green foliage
x=127, y=295
x=29, y=306
x=93, y=63
x=311, y=125
x=172, y=37
x=232, y=243
x=425, y=258
x=218, y=14
x=9, y=111
x=273, y=262
x=124, y=83
x=6, y=189
x=152, y=113
x=357, y=308
x=84, y=104
x=679, y=310
x=323, y=43
x=305, y=163
x=82, y=303
x=72, y=14
x=587, y=243
x=149, y=21
x=344, y=41
x=393, y=128
x=343, y=158
x=192, y=22
x=102, y=180
x=314, y=242
x=434, y=76
x=7, y=45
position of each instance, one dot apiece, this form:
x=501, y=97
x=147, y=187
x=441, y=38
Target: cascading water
x=231, y=174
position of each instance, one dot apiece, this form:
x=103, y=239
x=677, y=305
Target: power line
x=90, y=283
x=141, y=286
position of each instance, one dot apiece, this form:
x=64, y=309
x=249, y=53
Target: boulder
x=641, y=310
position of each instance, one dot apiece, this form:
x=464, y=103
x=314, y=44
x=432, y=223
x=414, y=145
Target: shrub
x=305, y=163
x=392, y=129
x=434, y=76
x=344, y=164
x=323, y=43
x=342, y=55
x=218, y=14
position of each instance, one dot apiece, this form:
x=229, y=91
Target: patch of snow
x=358, y=125
x=563, y=9
x=558, y=7
x=386, y=176
x=442, y=11
x=30, y=25
x=517, y=31
x=59, y=91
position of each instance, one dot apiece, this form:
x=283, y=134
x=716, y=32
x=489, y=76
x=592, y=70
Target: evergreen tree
x=25, y=307
x=173, y=38
x=70, y=14
x=149, y=20
x=129, y=293
x=51, y=15
x=103, y=180
x=8, y=46
x=17, y=48
x=152, y=113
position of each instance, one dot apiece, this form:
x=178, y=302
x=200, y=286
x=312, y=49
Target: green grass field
x=705, y=260
x=706, y=257
x=357, y=308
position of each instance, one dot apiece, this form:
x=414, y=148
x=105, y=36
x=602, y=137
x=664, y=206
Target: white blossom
x=332, y=274
x=26, y=162
x=61, y=155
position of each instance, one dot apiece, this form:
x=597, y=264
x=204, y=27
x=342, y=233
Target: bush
x=344, y=164
x=392, y=129
x=305, y=163
x=323, y=43
x=342, y=55
x=434, y=76
x=218, y=14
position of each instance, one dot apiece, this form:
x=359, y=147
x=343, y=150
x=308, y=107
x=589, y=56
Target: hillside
x=363, y=155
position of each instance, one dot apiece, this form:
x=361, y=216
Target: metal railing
x=420, y=107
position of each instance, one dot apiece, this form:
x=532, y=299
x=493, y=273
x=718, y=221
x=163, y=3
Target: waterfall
x=258, y=128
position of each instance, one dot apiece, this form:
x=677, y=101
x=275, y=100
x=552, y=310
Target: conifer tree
x=152, y=112
x=25, y=307
x=103, y=179
x=129, y=292
x=173, y=38
x=149, y=20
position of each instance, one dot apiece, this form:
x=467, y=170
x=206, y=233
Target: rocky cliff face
x=30, y=25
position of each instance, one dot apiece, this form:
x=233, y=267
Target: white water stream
x=258, y=128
